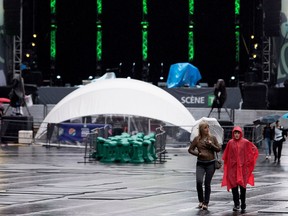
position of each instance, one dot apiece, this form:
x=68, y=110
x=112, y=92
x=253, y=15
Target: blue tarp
x=183, y=74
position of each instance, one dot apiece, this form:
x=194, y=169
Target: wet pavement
x=35, y=180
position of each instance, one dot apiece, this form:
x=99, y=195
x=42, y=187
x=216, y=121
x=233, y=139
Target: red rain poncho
x=239, y=161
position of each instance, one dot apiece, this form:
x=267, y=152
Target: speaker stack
x=12, y=16
x=255, y=96
x=272, y=18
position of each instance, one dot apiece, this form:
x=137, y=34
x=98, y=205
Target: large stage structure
x=145, y=53
x=13, y=30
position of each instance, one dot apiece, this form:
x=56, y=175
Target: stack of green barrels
x=124, y=148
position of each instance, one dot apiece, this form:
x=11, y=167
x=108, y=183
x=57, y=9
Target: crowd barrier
x=125, y=148
x=168, y=135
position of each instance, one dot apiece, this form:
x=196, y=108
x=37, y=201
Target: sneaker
x=236, y=208
x=266, y=157
x=205, y=207
x=200, y=205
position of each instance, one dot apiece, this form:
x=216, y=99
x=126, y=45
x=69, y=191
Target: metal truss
x=17, y=44
x=17, y=53
x=266, y=59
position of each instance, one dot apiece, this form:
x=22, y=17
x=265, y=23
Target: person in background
x=17, y=94
x=239, y=157
x=279, y=137
x=204, y=147
x=268, y=138
x=220, y=96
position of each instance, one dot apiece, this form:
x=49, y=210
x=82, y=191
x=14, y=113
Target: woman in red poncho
x=239, y=157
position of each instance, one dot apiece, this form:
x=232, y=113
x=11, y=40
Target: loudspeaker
x=11, y=125
x=255, y=96
x=272, y=5
x=272, y=24
x=12, y=16
x=278, y=99
x=271, y=9
x=32, y=77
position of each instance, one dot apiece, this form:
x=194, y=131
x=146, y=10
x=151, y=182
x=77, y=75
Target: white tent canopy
x=120, y=97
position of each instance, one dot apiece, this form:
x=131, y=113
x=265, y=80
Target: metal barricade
x=91, y=142
x=251, y=132
x=160, y=144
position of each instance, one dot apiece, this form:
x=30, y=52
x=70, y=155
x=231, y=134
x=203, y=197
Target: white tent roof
x=120, y=96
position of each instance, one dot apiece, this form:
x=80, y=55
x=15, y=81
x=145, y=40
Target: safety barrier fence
x=125, y=148
x=160, y=145
x=22, y=130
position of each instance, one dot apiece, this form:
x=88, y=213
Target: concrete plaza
x=36, y=180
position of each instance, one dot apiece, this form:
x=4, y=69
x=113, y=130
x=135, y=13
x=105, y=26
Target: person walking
x=204, y=147
x=268, y=138
x=239, y=158
x=279, y=138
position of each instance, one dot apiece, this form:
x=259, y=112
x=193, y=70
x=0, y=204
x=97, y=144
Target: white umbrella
x=214, y=127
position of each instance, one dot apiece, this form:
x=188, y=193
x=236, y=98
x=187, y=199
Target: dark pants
x=277, y=145
x=235, y=193
x=207, y=170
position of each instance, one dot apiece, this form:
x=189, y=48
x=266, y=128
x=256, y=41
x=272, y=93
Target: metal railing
x=160, y=144
x=91, y=143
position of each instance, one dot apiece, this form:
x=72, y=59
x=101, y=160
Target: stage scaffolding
x=266, y=59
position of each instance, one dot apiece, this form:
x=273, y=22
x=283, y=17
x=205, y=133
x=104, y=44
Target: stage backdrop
x=189, y=97
x=203, y=97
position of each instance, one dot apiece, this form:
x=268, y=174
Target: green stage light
x=237, y=7
x=191, y=7
x=144, y=25
x=191, y=50
x=144, y=7
x=237, y=43
x=53, y=29
x=237, y=30
x=53, y=6
x=99, y=31
x=99, y=6
x=99, y=45
x=144, y=44
x=53, y=44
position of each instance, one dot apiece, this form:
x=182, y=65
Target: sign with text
x=203, y=97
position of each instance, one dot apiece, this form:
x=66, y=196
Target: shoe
x=200, y=205
x=266, y=157
x=205, y=207
x=269, y=156
x=278, y=162
x=236, y=208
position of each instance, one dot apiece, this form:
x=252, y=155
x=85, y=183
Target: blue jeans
x=207, y=169
x=267, y=146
